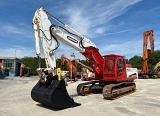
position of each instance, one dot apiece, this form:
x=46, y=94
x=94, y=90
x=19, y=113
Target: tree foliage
x=153, y=59
x=33, y=63
x=136, y=62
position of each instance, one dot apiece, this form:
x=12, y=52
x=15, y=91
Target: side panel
x=115, y=70
x=109, y=71
x=132, y=72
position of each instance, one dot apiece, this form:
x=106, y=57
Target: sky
x=115, y=26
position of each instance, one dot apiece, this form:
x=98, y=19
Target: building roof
x=10, y=58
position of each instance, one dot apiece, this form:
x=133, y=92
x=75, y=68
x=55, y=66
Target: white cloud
x=11, y=29
x=100, y=30
x=118, y=32
x=125, y=48
x=87, y=17
x=90, y=17
x=18, y=52
x=19, y=30
x=67, y=50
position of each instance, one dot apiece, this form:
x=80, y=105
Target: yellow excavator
x=157, y=69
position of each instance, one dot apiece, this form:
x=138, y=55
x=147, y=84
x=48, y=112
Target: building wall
x=11, y=66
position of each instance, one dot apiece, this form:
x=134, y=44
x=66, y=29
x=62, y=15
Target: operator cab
x=115, y=69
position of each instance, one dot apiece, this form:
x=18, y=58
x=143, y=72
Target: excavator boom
x=147, y=35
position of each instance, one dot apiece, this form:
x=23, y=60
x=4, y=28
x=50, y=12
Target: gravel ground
x=15, y=100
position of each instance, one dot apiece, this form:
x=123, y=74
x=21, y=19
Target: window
x=9, y=64
x=110, y=65
x=120, y=66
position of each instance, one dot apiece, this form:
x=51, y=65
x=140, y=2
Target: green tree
x=136, y=61
x=33, y=63
x=154, y=58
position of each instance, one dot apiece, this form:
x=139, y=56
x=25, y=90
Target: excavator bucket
x=54, y=95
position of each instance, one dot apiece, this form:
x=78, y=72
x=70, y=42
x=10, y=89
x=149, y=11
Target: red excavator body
x=112, y=77
x=114, y=69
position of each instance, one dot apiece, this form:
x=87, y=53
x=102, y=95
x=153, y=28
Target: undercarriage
x=109, y=91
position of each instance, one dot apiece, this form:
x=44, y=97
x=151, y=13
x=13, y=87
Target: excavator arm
x=147, y=35
x=51, y=33
x=41, y=25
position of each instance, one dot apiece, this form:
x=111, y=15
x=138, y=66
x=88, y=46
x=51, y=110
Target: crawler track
x=114, y=91
x=109, y=91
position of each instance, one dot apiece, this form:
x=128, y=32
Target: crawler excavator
x=148, y=71
x=74, y=71
x=157, y=69
x=86, y=71
x=111, y=75
x=77, y=61
x=72, y=67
